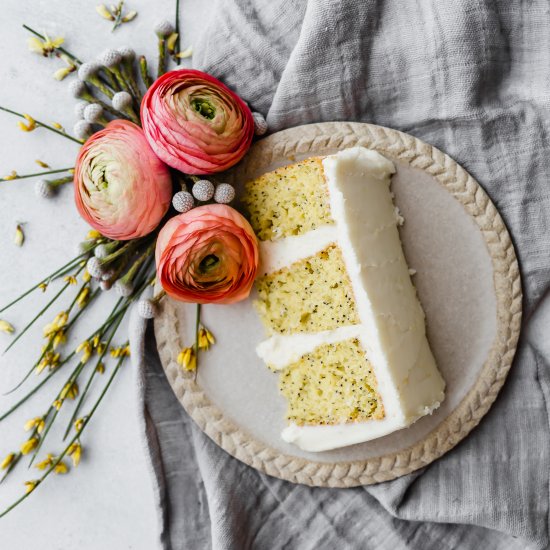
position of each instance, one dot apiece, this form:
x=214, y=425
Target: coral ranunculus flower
x=207, y=255
x=121, y=187
x=196, y=124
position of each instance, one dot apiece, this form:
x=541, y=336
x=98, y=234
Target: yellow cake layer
x=311, y=295
x=288, y=201
x=332, y=385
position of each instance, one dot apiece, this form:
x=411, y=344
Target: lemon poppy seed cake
x=346, y=331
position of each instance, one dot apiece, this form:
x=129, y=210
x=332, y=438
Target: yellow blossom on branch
x=75, y=452
x=70, y=391
x=83, y=297
x=71, y=279
x=61, y=468
x=7, y=462
x=30, y=486
x=29, y=445
x=37, y=423
x=205, y=338
x=44, y=47
x=30, y=126
x=46, y=463
x=6, y=327
x=187, y=359
x=11, y=176
x=86, y=349
x=79, y=424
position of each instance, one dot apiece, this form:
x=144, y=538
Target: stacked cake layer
x=346, y=329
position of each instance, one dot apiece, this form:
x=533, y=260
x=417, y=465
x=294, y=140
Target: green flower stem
x=80, y=402
x=197, y=327
x=36, y=388
x=131, y=273
x=128, y=247
x=38, y=123
x=48, y=347
x=162, y=57
x=71, y=380
x=37, y=174
x=147, y=80
x=177, y=29
x=69, y=266
x=40, y=313
x=61, y=181
x=113, y=80
x=87, y=419
x=97, y=83
x=127, y=72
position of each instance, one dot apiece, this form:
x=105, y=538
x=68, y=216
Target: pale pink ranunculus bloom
x=207, y=255
x=196, y=124
x=121, y=187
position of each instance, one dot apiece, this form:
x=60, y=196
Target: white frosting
x=392, y=328
x=284, y=252
x=281, y=350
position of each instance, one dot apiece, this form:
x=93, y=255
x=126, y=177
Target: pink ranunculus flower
x=207, y=255
x=121, y=187
x=196, y=124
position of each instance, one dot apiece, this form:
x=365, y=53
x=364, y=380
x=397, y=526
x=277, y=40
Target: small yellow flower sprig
x=188, y=357
x=116, y=14
x=56, y=464
x=33, y=124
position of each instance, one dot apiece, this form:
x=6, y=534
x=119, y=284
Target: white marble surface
x=107, y=501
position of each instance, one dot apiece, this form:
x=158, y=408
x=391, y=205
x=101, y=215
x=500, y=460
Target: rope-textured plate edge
x=394, y=144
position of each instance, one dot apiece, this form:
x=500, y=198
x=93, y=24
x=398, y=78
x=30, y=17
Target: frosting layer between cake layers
x=391, y=321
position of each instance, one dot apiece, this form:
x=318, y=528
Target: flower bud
x=224, y=194
x=93, y=113
x=121, y=101
x=127, y=53
x=203, y=190
x=164, y=29
x=183, y=201
x=77, y=88
x=260, y=124
x=147, y=309
x=94, y=268
x=88, y=71
x=43, y=189
x=82, y=129
x=101, y=251
x=123, y=289
x=110, y=58
x=79, y=109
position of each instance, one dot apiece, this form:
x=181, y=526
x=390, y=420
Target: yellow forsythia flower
x=19, y=237
x=83, y=297
x=187, y=359
x=206, y=338
x=61, y=468
x=57, y=404
x=31, y=123
x=37, y=423
x=93, y=234
x=79, y=424
x=11, y=176
x=29, y=445
x=171, y=41
x=70, y=391
x=46, y=463
x=6, y=327
x=7, y=462
x=87, y=349
x=44, y=47
x=130, y=16
x=30, y=486
x=75, y=452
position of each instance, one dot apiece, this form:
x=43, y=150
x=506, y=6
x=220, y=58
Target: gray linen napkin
x=472, y=78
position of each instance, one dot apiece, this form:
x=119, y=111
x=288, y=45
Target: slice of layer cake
x=346, y=329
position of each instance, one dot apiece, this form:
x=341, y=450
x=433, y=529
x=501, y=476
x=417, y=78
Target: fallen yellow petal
x=6, y=327
x=19, y=237
x=42, y=164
